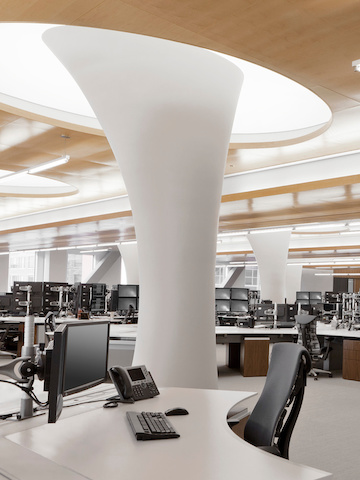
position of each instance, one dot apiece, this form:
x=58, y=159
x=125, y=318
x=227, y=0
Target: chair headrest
x=304, y=319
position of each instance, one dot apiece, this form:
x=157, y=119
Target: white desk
x=99, y=445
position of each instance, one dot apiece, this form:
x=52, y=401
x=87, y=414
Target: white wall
x=107, y=269
x=240, y=281
x=4, y=269
x=312, y=283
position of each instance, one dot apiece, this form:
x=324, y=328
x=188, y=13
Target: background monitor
x=124, y=303
x=302, y=296
x=239, y=306
x=79, y=355
x=222, y=293
x=128, y=290
x=222, y=306
x=329, y=307
x=240, y=294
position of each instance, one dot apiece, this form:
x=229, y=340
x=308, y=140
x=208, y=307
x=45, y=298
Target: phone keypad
x=138, y=391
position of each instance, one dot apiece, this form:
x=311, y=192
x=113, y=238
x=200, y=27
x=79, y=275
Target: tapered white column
x=130, y=256
x=167, y=110
x=293, y=282
x=271, y=252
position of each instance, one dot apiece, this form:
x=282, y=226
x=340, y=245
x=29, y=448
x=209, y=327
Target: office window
x=21, y=267
x=221, y=273
x=79, y=267
x=251, y=276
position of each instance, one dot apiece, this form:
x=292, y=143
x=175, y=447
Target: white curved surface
x=272, y=107
x=33, y=185
x=271, y=253
x=166, y=108
x=99, y=444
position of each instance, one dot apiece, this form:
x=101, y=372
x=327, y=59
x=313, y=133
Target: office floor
x=326, y=435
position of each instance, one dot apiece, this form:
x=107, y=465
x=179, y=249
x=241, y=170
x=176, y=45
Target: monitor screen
x=222, y=305
x=239, y=306
x=124, y=304
x=239, y=294
x=128, y=290
x=302, y=295
x=329, y=307
x=316, y=296
x=222, y=293
x=78, y=361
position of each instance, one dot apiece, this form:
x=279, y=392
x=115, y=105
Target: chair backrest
x=306, y=325
x=274, y=416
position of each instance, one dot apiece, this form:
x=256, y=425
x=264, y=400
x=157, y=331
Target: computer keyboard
x=151, y=426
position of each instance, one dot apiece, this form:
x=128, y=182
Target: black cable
x=85, y=402
x=28, y=391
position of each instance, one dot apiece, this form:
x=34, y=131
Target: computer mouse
x=176, y=411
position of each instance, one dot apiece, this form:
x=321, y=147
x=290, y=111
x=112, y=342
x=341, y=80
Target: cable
x=29, y=392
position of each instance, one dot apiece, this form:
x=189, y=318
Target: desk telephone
x=133, y=383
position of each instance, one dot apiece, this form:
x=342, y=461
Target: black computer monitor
x=302, y=297
x=124, y=304
x=240, y=294
x=78, y=360
x=128, y=290
x=222, y=306
x=222, y=293
x=240, y=306
x=316, y=296
x=329, y=307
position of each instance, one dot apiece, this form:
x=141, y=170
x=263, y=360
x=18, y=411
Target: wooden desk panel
x=351, y=360
x=255, y=357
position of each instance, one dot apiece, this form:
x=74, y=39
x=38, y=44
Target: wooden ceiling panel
x=313, y=42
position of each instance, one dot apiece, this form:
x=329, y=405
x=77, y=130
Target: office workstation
x=138, y=154
x=81, y=435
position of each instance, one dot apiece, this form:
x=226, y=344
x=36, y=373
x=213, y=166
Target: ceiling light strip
x=291, y=164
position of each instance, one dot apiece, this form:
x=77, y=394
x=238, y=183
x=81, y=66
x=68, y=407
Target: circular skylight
x=33, y=186
x=271, y=107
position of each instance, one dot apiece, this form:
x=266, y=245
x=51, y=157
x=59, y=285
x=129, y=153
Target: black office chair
x=3, y=336
x=272, y=421
x=306, y=325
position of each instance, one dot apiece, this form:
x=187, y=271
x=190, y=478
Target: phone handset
x=122, y=384
x=133, y=383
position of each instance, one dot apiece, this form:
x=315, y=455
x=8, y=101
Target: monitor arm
x=19, y=369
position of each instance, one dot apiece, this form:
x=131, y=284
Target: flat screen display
x=78, y=356
x=239, y=306
x=128, y=290
x=136, y=374
x=85, y=357
x=302, y=295
x=124, y=303
x=239, y=294
x=222, y=305
x=222, y=293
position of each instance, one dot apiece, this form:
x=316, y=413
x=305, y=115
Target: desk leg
x=233, y=354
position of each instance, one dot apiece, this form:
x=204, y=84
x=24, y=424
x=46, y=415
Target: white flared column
x=130, y=256
x=271, y=252
x=293, y=282
x=167, y=110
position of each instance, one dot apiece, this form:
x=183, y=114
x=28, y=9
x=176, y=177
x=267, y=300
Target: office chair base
x=314, y=372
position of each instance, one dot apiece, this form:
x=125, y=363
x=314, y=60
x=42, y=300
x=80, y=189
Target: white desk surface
x=99, y=444
x=129, y=331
